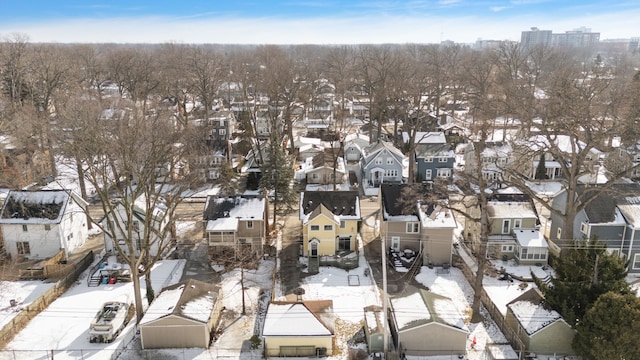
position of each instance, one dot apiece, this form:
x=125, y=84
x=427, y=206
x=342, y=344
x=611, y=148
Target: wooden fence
x=496, y=315
x=30, y=311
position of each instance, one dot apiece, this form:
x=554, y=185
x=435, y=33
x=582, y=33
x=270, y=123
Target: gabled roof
x=192, y=300
x=432, y=137
x=530, y=312
x=607, y=206
x=374, y=150
x=390, y=194
x=424, y=150
x=224, y=213
x=422, y=307
x=306, y=318
x=34, y=207
x=322, y=210
x=511, y=210
x=344, y=204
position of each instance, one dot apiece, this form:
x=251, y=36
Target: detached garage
x=181, y=316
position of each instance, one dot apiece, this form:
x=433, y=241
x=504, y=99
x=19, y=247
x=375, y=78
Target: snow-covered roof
x=631, y=210
x=437, y=216
x=432, y=137
x=34, y=207
x=293, y=319
x=530, y=238
x=192, y=299
x=422, y=307
x=510, y=210
x=533, y=317
x=225, y=213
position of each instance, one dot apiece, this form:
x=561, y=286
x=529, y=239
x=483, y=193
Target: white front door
x=395, y=243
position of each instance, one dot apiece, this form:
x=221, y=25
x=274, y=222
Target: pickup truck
x=109, y=321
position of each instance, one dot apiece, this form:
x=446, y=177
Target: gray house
x=382, y=163
x=433, y=156
x=612, y=217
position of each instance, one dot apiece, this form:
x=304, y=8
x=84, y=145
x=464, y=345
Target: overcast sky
x=309, y=21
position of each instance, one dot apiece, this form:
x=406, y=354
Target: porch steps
x=94, y=281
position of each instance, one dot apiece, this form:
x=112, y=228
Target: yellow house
x=304, y=328
x=330, y=222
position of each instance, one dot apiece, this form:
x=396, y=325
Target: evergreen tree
x=541, y=170
x=581, y=276
x=609, y=328
x=228, y=181
x=277, y=177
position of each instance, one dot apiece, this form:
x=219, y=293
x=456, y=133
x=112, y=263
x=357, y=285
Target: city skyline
x=310, y=21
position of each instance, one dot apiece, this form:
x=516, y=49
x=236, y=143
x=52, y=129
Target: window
x=315, y=227
x=23, y=248
x=249, y=224
x=47, y=226
x=507, y=248
x=636, y=261
x=584, y=228
x=344, y=243
x=517, y=223
x=442, y=159
x=413, y=227
x=328, y=227
x=379, y=161
x=314, y=176
x=428, y=159
x=343, y=224
x=559, y=234
x=506, y=226
x=391, y=173
x=24, y=228
x=221, y=131
x=444, y=173
x=389, y=161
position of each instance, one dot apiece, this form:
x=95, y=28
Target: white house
x=118, y=217
x=38, y=224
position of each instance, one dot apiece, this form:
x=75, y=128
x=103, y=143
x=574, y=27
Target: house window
x=584, y=228
x=378, y=161
x=559, y=234
x=24, y=228
x=328, y=227
x=315, y=227
x=47, y=226
x=636, y=261
x=428, y=159
x=344, y=243
x=506, y=226
x=314, y=176
x=413, y=227
x=343, y=224
x=249, y=224
x=444, y=173
x=221, y=131
x=517, y=223
x=507, y=248
x=23, y=248
x=442, y=159
x=391, y=173
x=389, y=161
x=523, y=253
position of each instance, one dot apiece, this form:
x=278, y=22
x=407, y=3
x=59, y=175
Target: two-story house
x=382, y=163
x=116, y=223
x=236, y=223
x=330, y=222
x=38, y=224
x=417, y=227
x=433, y=156
x=494, y=159
x=610, y=217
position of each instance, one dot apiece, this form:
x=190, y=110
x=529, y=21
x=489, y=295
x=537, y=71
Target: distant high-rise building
x=535, y=37
x=579, y=38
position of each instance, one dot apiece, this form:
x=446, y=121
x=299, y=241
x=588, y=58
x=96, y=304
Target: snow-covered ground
x=23, y=293
x=64, y=325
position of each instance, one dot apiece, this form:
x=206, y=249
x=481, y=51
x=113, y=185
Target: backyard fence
x=30, y=311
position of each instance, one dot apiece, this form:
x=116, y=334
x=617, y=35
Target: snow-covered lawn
x=64, y=325
x=23, y=292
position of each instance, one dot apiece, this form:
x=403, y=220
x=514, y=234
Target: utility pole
x=385, y=339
